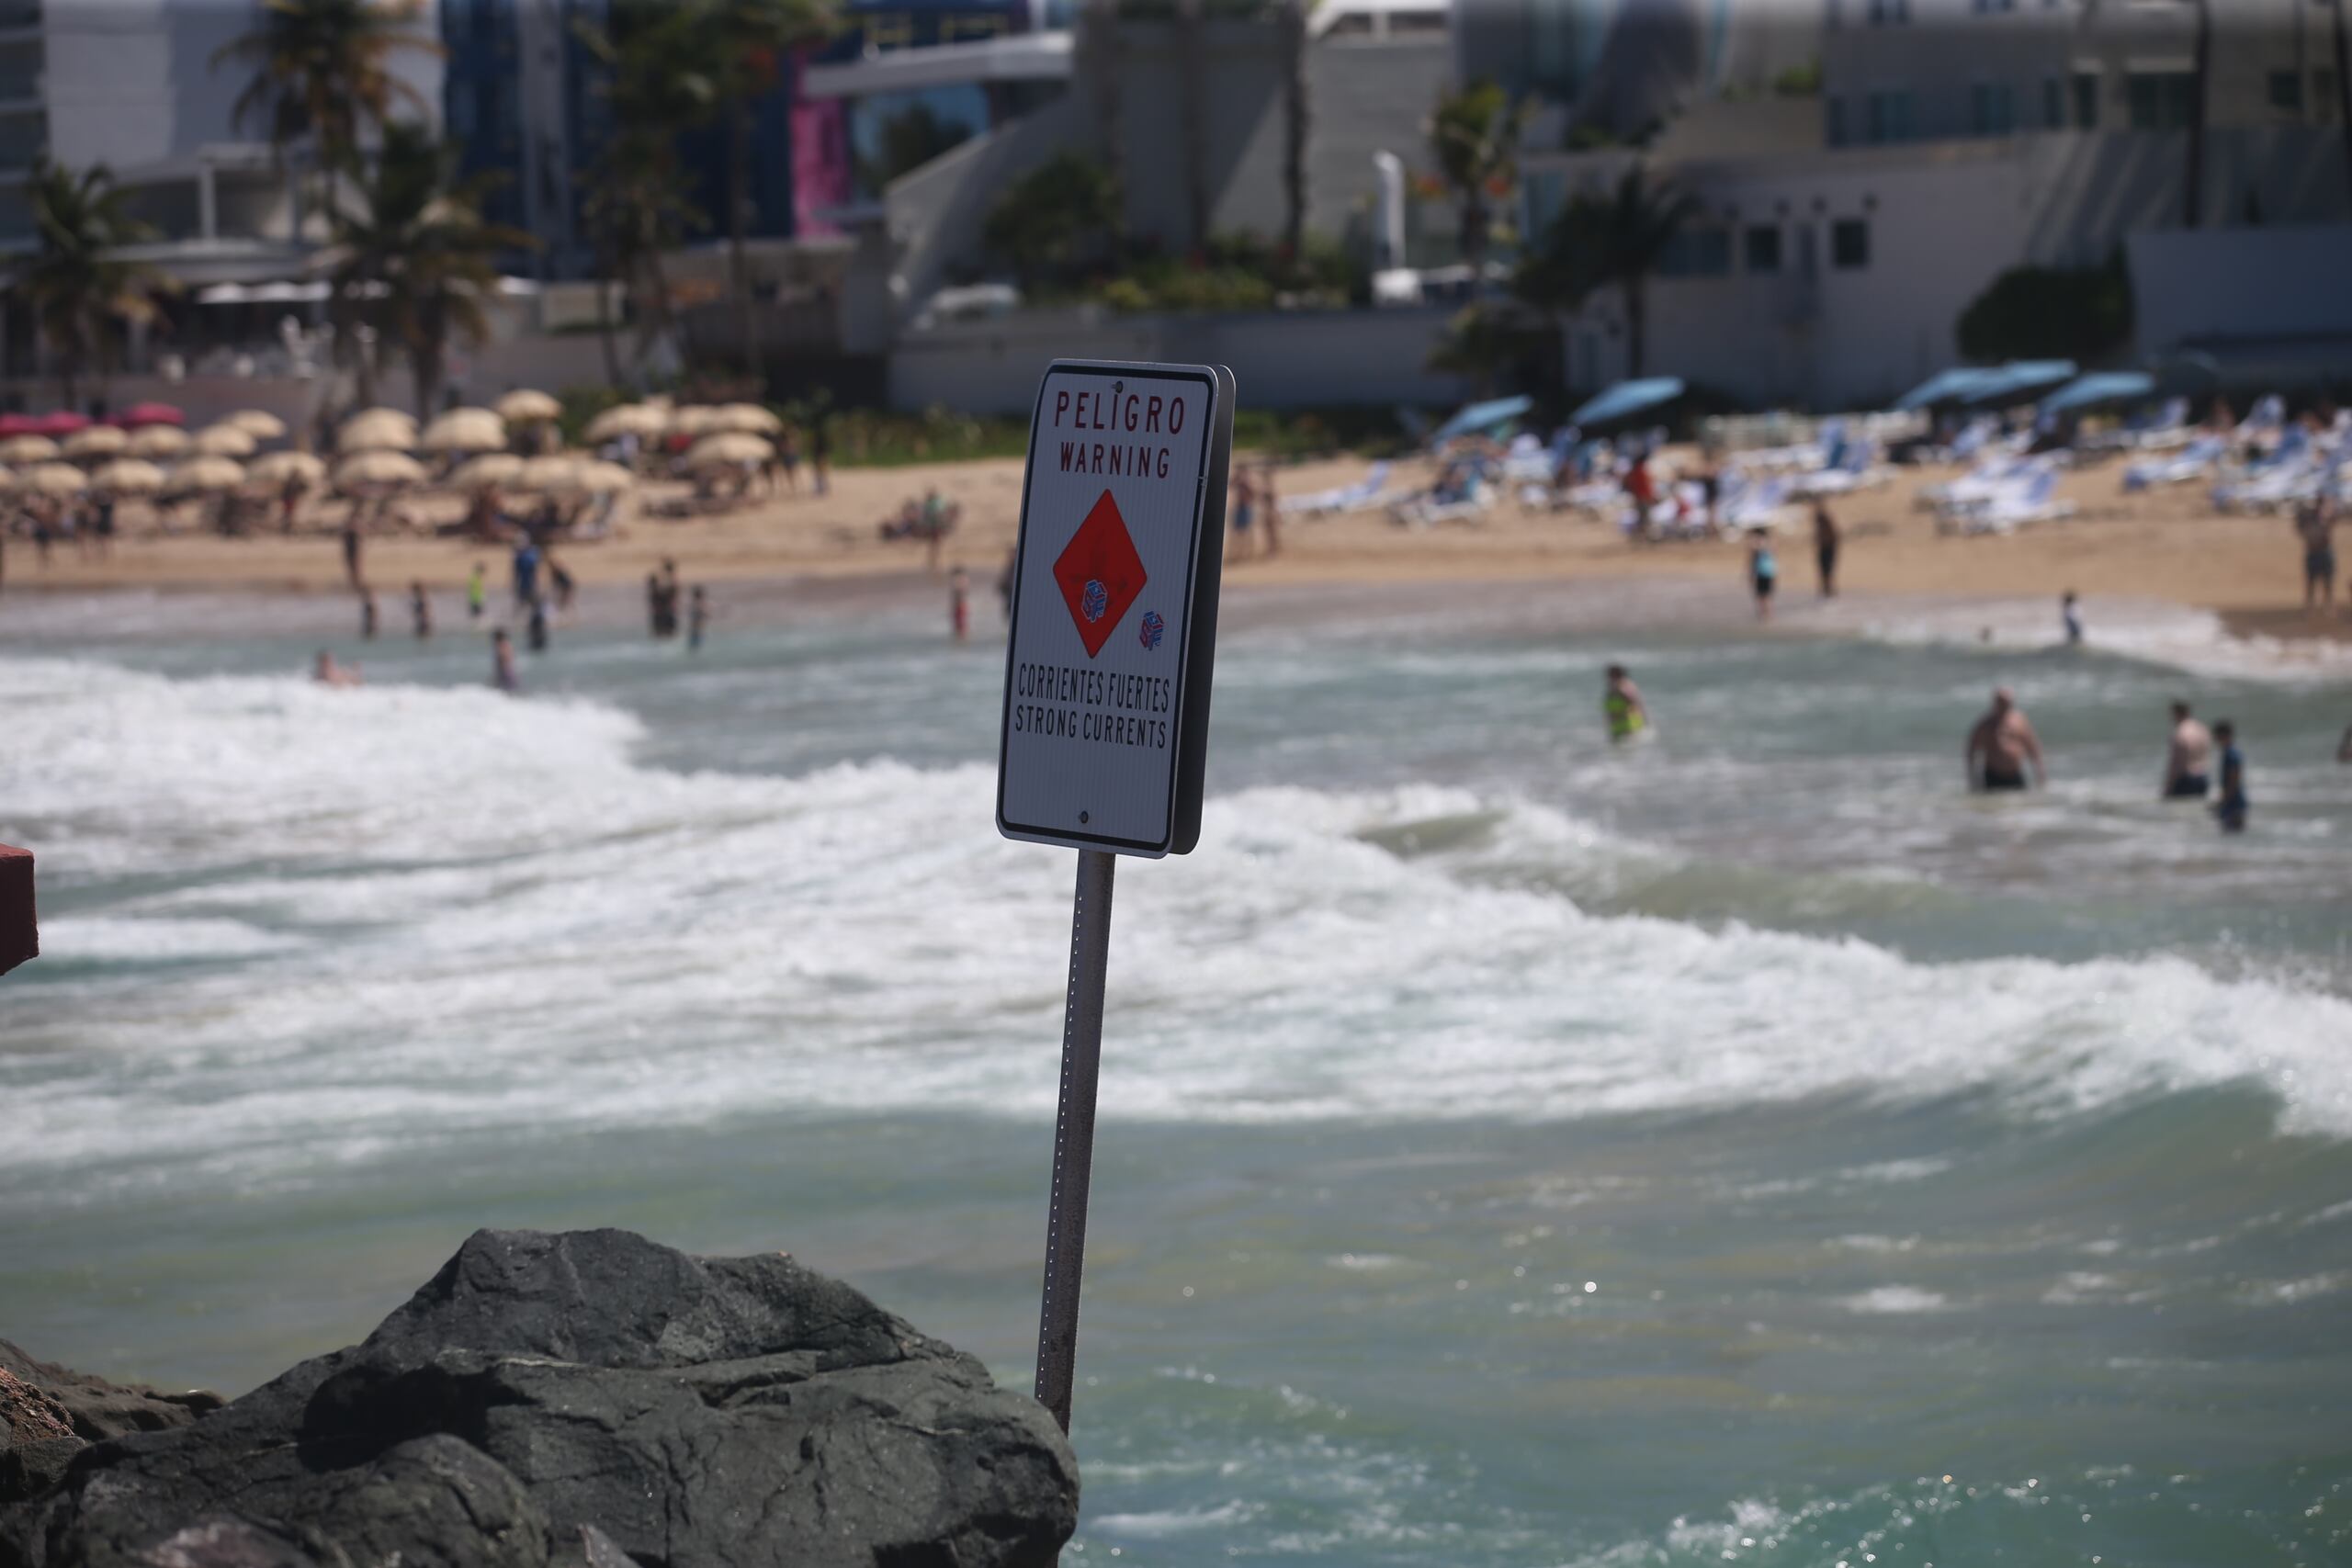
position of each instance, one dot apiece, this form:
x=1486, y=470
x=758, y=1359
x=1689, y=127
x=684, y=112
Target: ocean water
x=1743, y=1147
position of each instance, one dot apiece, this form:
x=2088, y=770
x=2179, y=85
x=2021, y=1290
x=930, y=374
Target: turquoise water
x=1513, y=1152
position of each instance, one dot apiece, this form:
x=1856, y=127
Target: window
x=2287, y=92
x=1836, y=121
x=1697, y=253
x=1991, y=109
x=1764, y=248
x=2160, y=99
x=1888, y=117
x=2086, y=100
x=2053, y=104
x=1849, y=245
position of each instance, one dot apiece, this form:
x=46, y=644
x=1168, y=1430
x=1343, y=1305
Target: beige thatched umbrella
x=523, y=406
x=158, y=441
x=554, y=472
x=52, y=479
x=694, y=419
x=379, y=469
x=97, y=441
x=749, y=418
x=259, y=424
x=602, y=478
x=489, y=468
x=629, y=418
x=277, y=468
x=378, y=430
x=28, y=449
x=208, y=471
x=128, y=475
x=730, y=446
x=464, y=430
x=224, y=441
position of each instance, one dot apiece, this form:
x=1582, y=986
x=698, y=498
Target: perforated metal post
x=1089, y=954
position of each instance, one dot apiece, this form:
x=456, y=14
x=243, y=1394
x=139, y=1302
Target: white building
x=1840, y=239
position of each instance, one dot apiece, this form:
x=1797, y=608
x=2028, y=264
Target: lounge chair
x=2008, y=508
x=1366, y=493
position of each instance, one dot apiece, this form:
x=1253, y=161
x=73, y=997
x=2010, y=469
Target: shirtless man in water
x=2002, y=744
x=2190, y=760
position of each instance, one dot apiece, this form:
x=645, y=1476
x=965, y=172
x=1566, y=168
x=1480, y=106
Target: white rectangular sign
x=1106, y=689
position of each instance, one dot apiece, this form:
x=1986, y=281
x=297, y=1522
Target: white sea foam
x=423, y=913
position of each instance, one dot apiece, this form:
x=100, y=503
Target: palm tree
x=1290, y=21
x=755, y=38
x=639, y=209
x=1595, y=242
x=1475, y=137
x=412, y=261
x=324, y=69
x=77, y=283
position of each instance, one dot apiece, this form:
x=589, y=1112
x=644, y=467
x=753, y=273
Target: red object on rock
x=20, y=935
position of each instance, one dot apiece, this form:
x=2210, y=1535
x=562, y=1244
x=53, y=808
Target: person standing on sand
x=2071, y=616
x=2315, y=522
x=2001, y=746
x=959, y=604
x=527, y=571
x=787, y=457
x=1244, y=515
x=1270, y=509
x=419, y=611
x=1824, y=548
x=2188, y=759
x=1622, y=705
x=351, y=546
x=2232, y=806
x=501, y=661
x=1763, y=573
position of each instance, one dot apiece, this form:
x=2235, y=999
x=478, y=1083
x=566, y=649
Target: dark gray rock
x=49, y=1414
x=569, y=1397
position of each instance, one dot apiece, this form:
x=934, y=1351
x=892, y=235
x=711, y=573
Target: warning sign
x=1106, y=693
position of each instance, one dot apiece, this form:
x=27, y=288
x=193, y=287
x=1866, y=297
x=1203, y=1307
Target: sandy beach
x=2166, y=546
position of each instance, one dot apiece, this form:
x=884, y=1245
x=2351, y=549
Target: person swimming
x=1621, y=704
x=2001, y=747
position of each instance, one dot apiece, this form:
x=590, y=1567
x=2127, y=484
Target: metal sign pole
x=1089, y=954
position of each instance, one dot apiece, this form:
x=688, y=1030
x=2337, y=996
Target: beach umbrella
x=52, y=479
x=98, y=441
x=2101, y=388
x=1476, y=418
x=277, y=468
x=555, y=472
x=158, y=441
x=2018, y=381
x=523, y=406
x=602, y=478
x=1627, y=399
x=225, y=441
x=206, y=471
x=749, y=418
x=128, y=475
x=464, y=430
x=489, y=468
x=694, y=419
x=378, y=430
x=729, y=447
x=259, y=424
x=59, y=424
x=17, y=424
x=378, y=467
x=1945, y=386
x=629, y=418
x=28, y=449
x=141, y=416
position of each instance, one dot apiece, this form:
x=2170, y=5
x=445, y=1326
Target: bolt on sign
x=1106, y=695
x=1106, y=701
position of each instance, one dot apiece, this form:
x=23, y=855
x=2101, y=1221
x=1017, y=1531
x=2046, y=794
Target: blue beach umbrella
x=1945, y=386
x=1627, y=399
x=1487, y=417
x=2019, y=380
x=2100, y=387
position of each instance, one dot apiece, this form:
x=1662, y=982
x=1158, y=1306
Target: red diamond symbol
x=1099, y=572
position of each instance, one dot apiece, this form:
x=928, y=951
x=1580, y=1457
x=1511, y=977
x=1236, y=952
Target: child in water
x=2232, y=806
x=1763, y=573
x=697, y=618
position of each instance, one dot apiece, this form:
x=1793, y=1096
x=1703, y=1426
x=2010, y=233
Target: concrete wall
x=1944, y=220
x=936, y=211
x=1308, y=358
x=2271, y=306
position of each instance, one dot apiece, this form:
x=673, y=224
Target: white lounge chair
x=1367, y=493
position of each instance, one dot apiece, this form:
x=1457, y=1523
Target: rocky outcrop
x=47, y=1415
x=588, y=1398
